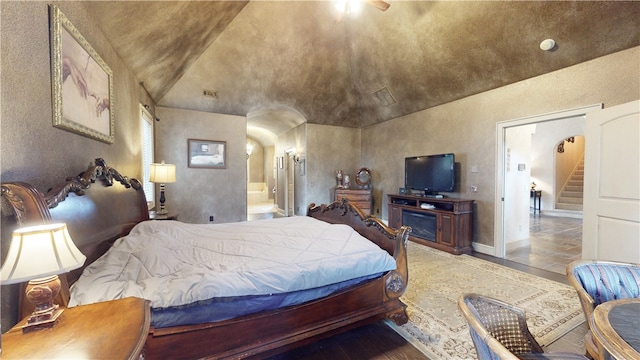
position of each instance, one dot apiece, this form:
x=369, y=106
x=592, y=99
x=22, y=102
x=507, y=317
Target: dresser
x=359, y=197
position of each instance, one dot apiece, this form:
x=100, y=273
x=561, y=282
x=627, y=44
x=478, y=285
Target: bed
x=101, y=207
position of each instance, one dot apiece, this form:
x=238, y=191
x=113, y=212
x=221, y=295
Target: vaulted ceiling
x=285, y=62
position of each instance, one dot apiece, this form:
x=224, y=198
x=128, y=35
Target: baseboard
x=563, y=213
x=483, y=249
x=517, y=244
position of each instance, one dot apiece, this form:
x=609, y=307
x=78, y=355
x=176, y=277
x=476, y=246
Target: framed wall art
x=82, y=83
x=209, y=154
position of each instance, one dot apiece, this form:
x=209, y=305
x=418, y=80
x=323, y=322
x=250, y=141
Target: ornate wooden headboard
x=96, y=209
x=95, y=215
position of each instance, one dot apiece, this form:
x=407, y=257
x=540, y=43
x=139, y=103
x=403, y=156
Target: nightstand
x=170, y=216
x=116, y=329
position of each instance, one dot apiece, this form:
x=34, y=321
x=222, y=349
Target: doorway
x=260, y=180
x=515, y=222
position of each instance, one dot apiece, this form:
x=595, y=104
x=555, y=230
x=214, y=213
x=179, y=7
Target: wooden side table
x=536, y=195
x=115, y=329
x=170, y=216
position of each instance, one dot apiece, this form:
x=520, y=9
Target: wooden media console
x=442, y=223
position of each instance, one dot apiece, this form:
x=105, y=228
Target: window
x=146, y=122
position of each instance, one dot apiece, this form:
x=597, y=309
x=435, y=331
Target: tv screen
x=430, y=173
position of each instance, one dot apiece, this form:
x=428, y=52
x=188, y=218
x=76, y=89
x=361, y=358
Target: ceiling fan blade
x=380, y=5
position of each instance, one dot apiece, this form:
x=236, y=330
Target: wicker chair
x=600, y=281
x=499, y=330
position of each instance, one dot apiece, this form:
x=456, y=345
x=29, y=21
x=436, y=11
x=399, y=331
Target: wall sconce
x=300, y=162
x=571, y=139
x=297, y=159
x=249, y=150
x=162, y=173
x=38, y=254
x=293, y=152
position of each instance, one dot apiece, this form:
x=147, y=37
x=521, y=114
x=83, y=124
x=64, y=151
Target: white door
x=611, y=217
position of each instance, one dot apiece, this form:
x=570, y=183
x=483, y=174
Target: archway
x=569, y=174
x=267, y=129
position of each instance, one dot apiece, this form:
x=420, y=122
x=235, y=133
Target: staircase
x=571, y=195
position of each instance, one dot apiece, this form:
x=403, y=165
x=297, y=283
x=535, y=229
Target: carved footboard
x=393, y=241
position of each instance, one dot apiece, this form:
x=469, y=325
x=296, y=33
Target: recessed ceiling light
x=547, y=44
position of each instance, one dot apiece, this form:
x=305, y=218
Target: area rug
x=436, y=281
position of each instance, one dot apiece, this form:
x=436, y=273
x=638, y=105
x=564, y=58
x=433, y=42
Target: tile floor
x=554, y=243
x=259, y=211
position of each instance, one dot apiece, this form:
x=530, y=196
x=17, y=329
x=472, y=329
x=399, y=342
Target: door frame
x=501, y=127
x=289, y=182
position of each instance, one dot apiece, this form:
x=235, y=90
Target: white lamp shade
x=162, y=173
x=40, y=251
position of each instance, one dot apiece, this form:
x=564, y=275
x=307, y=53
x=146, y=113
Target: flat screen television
x=430, y=173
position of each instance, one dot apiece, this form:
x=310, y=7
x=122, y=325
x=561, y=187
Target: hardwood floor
x=379, y=342
x=376, y=341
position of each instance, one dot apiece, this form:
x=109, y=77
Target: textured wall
x=467, y=127
x=31, y=146
x=32, y=149
x=330, y=148
x=198, y=192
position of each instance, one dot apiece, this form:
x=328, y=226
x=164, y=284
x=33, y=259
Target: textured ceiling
x=281, y=63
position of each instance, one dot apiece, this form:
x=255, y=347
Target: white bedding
x=172, y=263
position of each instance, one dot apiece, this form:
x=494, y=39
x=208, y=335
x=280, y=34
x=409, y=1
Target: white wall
x=517, y=185
x=198, y=192
x=543, y=149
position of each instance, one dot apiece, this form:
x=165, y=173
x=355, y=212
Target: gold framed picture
x=82, y=83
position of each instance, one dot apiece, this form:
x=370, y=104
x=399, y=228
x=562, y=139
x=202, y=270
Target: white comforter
x=173, y=263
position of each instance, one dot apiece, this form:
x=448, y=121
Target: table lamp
x=38, y=254
x=162, y=173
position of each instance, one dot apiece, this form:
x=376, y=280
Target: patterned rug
x=436, y=281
